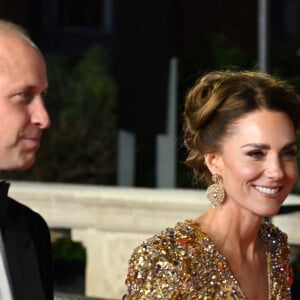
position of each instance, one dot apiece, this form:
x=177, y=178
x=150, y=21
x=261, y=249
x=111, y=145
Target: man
x=25, y=247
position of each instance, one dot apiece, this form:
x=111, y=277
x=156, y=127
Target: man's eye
x=25, y=96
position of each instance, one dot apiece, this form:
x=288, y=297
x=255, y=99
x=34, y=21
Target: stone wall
x=111, y=221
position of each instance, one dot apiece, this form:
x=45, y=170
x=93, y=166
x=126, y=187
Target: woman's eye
x=290, y=153
x=44, y=94
x=256, y=153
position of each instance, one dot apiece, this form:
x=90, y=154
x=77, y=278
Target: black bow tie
x=4, y=186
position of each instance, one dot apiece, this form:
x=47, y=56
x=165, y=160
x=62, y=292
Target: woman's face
x=258, y=162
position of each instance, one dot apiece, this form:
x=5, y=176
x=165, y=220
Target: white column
x=166, y=143
x=107, y=16
x=263, y=35
x=126, y=158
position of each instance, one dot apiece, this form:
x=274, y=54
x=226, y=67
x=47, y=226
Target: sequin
x=183, y=263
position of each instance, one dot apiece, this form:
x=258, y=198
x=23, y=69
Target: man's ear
x=213, y=161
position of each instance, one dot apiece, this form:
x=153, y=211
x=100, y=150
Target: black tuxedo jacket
x=28, y=250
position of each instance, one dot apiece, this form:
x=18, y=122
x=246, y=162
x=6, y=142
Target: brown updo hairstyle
x=219, y=99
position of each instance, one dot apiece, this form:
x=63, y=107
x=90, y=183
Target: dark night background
x=138, y=39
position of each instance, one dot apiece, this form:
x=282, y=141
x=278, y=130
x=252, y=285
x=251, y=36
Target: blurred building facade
x=150, y=32
x=142, y=38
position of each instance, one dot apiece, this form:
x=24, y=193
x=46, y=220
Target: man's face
x=23, y=116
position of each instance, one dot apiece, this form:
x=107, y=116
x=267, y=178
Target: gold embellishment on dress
x=183, y=263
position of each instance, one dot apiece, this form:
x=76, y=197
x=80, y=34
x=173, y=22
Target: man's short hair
x=10, y=28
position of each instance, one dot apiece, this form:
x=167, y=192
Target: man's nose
x=39, y=114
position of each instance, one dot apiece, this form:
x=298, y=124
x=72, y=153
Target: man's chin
x=23, y=165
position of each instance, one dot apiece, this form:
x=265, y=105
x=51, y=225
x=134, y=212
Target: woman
x=240, y=133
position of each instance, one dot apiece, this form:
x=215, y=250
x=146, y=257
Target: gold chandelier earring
x=215, y=193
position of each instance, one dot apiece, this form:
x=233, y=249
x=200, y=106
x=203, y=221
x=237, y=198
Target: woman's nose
x=274, y=169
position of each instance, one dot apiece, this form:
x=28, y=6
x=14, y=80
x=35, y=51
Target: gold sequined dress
x=183, y=263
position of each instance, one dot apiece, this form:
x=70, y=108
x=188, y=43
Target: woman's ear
x=213, y=161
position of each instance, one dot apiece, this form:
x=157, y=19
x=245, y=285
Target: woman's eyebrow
x=256, y=145
x=267, y=147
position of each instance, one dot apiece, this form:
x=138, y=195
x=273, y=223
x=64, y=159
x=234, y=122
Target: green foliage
x=296, y=189
x=296, y=265
x=64, y=249
x=227, y=56
x=80, y=146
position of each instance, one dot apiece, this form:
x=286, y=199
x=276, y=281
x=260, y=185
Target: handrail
x=285, y=209
x=67, y=296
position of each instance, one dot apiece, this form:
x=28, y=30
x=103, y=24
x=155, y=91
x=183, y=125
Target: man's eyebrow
x=27, y=87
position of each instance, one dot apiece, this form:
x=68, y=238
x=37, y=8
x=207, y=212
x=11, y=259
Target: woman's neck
x=232, y=230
